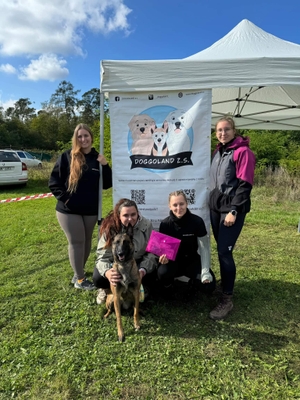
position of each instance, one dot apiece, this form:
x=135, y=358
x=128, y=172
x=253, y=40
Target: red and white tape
x=33, y=197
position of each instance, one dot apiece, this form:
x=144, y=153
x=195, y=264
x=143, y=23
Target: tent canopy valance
x=254, y=77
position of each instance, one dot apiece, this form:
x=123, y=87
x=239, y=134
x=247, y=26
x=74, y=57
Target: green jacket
x=141, y=235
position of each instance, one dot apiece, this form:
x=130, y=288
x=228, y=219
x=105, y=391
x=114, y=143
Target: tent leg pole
x=101, y=152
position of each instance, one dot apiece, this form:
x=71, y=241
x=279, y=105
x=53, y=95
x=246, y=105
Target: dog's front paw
x=121, y=338
x=137, y=327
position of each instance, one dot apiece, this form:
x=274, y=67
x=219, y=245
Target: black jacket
x=85, y=200
x=231, y=176
x=187, y=229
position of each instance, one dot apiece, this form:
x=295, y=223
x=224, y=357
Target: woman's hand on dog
x=163, y=259
x=142, y=273
x=113, y=276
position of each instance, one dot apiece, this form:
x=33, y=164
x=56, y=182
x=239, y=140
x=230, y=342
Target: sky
x=45, y=42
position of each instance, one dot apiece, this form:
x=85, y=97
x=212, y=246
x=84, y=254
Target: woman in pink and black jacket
x=231, y=180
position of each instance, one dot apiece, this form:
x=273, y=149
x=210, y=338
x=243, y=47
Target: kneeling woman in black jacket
x=193, y=257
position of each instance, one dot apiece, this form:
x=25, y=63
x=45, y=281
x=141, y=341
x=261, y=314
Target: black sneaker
x=168, y=292
x=85, y=284
x=74, y=279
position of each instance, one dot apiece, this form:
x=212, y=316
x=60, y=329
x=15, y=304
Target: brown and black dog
x=127, y=291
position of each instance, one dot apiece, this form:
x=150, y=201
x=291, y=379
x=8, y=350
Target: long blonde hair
x=77, y=158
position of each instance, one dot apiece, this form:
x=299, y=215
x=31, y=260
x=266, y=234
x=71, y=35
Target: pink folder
x=159, y=244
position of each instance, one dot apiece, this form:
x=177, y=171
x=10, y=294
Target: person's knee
x=163, y=272
x=77, y=242
x=226, y=257
x=99, y=280
x=225, y=251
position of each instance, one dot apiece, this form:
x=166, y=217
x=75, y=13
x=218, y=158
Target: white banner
x=161, y=143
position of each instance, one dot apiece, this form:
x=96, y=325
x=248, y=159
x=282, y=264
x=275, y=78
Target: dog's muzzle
x=121, y=256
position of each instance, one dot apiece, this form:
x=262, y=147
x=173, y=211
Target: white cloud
x=46, y=67
x=119, y=20
x=8, y=69
x=48, y=29
x=8, y=103
x=34, y=27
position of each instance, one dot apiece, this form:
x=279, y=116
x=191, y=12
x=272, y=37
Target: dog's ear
x=124, y=229
x=165, y=125
x=152, y=131
x=129, y=231
x=132, y=122
x=113, y=232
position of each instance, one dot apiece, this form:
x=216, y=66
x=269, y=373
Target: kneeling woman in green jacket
x=125, y=212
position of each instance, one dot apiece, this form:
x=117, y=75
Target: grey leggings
x=79, y=231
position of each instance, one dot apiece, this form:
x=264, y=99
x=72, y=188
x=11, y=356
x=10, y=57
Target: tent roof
x=245, y=41
x=255, y=77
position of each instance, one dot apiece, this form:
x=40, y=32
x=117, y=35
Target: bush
x=280, y=181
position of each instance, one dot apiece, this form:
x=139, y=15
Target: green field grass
x=55, y=344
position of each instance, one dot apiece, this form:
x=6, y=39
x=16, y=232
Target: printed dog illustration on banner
x=160, y=148
x=177, y=123
x=140, y=127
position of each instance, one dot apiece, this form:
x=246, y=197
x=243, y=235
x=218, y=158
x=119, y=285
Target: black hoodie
x=85, y=200
x=187, y=229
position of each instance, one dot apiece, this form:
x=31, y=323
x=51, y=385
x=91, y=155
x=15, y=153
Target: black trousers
x=100, y=281
x=226, y=237
x=191, y=268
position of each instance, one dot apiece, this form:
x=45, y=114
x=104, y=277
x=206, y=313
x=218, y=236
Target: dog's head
x=159, y=136
x=141, y=125
x=122, y=245
x=177, y=121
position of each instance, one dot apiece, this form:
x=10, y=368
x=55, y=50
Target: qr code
x=138, y=196
x=190, y=195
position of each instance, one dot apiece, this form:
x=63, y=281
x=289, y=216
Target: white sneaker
x=101, y=296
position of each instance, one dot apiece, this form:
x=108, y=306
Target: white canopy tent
x=255, y=77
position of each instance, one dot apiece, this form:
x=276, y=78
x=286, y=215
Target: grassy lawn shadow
x=265, y=317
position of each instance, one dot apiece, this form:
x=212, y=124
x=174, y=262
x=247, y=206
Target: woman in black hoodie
x=193, y=257
x=74, y=182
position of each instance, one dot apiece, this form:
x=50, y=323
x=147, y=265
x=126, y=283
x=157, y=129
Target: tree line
x=51, y=128
x=22, y=126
